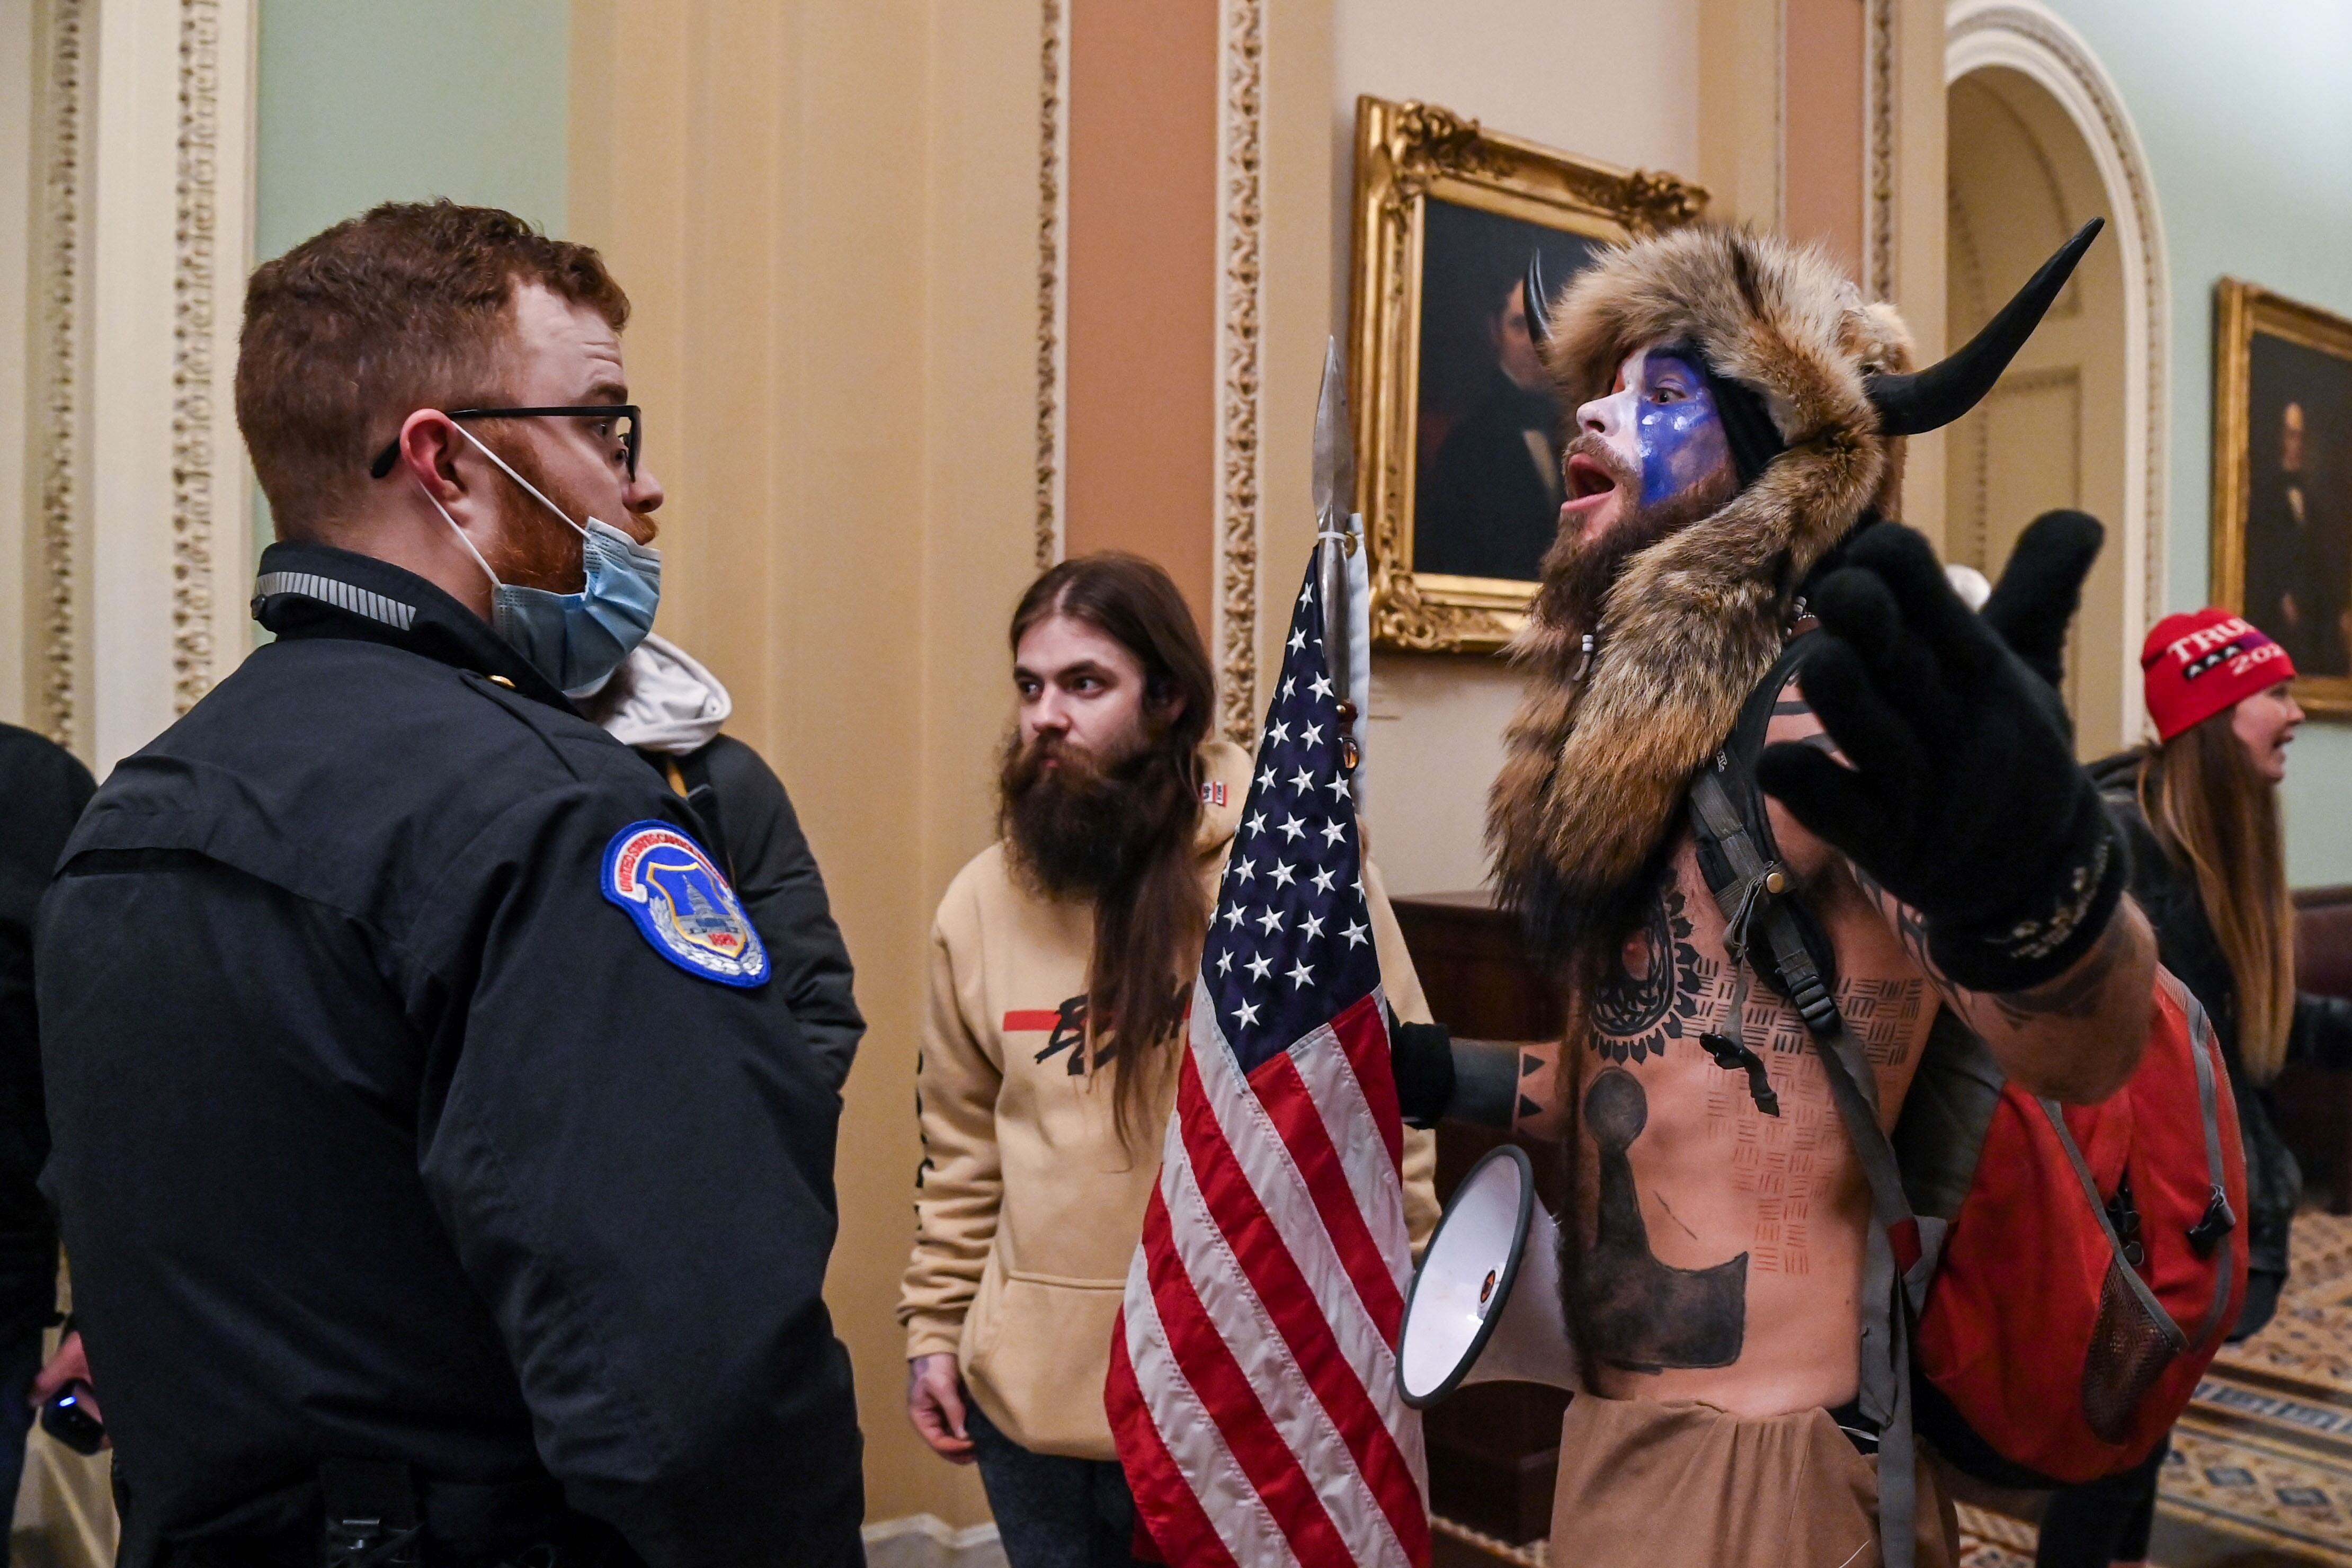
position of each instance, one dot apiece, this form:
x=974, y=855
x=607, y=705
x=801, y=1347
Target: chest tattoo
x=1789, y=1163
x=1660, y=989
x=1646, y=1315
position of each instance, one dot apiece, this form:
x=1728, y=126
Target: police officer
x=443, y=1178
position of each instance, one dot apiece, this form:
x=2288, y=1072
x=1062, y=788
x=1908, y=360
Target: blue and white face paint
x=1661, y=421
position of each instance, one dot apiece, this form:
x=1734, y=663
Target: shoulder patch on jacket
x=682, y=905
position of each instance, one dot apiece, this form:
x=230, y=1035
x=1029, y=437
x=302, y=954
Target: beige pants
x=1649, y=1485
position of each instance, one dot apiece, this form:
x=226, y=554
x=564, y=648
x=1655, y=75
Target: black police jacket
x=42, y=791
x=740, y=798
x=381, y=1132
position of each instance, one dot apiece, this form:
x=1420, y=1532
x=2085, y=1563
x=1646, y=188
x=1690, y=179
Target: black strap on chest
x=688, y=778
x=1768, y=931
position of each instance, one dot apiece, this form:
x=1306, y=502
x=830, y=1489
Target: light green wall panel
x=369, y=102
x=362, y=104
x=2245, y=110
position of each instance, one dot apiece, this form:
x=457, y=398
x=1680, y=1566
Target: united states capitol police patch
x=682, y=904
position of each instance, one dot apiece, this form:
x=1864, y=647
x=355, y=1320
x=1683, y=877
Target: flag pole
x=1335, y=541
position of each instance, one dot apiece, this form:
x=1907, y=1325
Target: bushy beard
x=1089, y=824
x=1578, y=571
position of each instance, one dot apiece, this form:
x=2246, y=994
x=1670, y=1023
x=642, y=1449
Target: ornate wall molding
x=2026, y=36
x=196, y=250
x=1239, y=291
x=1053, y=283
x=62, y=262
x=1878, y=156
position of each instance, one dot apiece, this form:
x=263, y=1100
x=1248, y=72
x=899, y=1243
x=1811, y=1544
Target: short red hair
x=409, y=306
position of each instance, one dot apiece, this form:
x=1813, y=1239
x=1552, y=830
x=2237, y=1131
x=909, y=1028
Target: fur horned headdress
x=1599, y=757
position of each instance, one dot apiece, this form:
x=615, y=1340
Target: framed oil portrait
x=2283, y=481
x=1458, y=434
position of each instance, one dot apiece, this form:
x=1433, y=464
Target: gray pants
x=1051, y=1511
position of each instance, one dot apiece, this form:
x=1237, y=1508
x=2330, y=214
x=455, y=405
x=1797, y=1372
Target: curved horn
x=1932, y=398
x=1539, y=305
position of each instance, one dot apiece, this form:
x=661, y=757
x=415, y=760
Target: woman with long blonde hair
x=2199, y=809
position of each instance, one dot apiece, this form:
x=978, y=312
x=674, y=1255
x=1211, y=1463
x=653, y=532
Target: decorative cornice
x=1879, y=160
x=1239, y=289
x=1052, y=228
x=194, y=252
x=65, y=103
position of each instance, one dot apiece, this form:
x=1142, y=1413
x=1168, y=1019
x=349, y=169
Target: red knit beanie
x=2202, y=662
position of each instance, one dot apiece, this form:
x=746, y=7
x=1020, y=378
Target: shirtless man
x=1929, y=814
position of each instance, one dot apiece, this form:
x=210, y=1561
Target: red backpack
x=2044, y=1285
x=2090, y=1270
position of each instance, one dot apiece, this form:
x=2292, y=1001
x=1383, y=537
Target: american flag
x=1254, y=1381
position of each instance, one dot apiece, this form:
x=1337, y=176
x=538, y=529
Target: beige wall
x=1531, y=68
x=1822, y=149
x=1142, y=251
x=826, y=214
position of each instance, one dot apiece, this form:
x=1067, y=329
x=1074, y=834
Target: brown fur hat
x=1595, y=768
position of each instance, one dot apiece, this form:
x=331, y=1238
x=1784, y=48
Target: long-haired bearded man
x=1737, y=454
x=1061, y=968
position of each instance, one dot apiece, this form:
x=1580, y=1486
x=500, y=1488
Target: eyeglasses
x=627, y=427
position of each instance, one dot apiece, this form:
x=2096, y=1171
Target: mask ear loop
x=518, y=478
x=429, y=495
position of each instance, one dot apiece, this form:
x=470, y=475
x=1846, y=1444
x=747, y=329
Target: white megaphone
x=1485, y=1306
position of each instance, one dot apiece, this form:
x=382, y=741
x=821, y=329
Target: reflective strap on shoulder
x=342, y=596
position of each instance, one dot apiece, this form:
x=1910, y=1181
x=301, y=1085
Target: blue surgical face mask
x=576, y=640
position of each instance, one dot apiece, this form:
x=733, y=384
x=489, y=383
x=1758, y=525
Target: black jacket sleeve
x=777, y=878
x=42, y=791
x=2321, y=1032
x=635, y=1164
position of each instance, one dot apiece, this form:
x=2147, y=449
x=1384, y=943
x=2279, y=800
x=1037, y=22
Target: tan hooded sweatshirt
x=1027, y=1207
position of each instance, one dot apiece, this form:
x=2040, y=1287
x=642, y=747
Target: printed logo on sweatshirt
x=1064, y=1028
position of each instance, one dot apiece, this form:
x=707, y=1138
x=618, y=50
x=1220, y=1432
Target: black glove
x=1421, y=1056
x=1964, y=799
x=2039, y=592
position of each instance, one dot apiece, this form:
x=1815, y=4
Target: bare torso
x=1723, y=1246
x=1719, y=1237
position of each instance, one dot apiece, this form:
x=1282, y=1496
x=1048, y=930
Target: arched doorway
x=2051, y=433
x=2038, y=144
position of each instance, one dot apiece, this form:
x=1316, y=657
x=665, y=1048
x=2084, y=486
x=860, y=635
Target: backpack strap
x=1759, y=898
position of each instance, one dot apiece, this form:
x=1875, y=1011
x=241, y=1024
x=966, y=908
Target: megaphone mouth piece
x=1494, y=1288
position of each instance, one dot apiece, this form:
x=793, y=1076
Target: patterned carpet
x=2264, y=1455
x=2261, y=1473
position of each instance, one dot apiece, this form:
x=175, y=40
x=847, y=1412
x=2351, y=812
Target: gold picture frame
x=1409, y=155
x=2277, y=363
